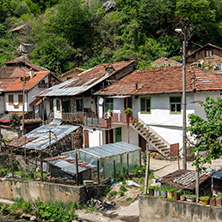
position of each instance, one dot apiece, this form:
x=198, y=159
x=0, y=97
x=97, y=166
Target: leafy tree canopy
x=67, y=33
x=206, y=133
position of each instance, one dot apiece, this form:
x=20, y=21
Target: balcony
x=73, y=117
x=91, y=120
x=97, y=122
x=119, y=118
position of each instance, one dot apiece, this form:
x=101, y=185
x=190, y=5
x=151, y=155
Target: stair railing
x=153, y=132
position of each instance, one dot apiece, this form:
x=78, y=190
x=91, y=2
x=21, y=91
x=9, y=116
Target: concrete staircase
x=158, y=143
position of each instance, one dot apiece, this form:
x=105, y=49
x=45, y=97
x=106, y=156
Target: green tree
x=73, y=21
x=206, y=133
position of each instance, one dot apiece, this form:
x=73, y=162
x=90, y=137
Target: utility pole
x=76, y=158
x=197, y=178
x=50, y=139
x=25, y=149
x=184, y=106
x=0, y=139
x=147, y=167
x=184, y=100
x=23, y=107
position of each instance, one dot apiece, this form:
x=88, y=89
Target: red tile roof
x=87, y=79
x=100, y=70
x=4, y=83
x=164, y=80
x=13, y=70
x=23, y=59
x=36, y=120
x=163, y=61
x=17, y=85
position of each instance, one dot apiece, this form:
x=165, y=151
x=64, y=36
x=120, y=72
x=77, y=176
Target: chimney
x=109, y=68
x=136, y=85
x=31, y=73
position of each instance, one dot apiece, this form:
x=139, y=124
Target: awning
x=37, y=101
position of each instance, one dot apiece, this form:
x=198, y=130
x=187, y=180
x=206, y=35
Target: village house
x=35, y=82
x=71, y=73
x=155, y=96
x=208, y=56
x=73, y=99
x=12, y=70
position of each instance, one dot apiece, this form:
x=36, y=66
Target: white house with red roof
x=155, y=96
x=35, y=82
x=12, y=70
x=73, y=99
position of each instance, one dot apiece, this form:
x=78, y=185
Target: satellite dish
x=101, y=100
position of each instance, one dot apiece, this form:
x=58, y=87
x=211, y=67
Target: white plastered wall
x=57, y=113
x=2, y=104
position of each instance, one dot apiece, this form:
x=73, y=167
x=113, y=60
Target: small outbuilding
x=65, y=167
x=111, y=158
x=186, y=180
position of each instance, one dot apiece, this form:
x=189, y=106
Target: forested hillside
x=66, y=33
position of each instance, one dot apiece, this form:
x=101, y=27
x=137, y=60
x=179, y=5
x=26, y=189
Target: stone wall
x=31, y=190
x=163, y=210
x=10, y=133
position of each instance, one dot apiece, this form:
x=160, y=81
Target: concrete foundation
x=47, y=192
x=163, y=210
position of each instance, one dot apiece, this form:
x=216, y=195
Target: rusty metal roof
x=85, y=80
x=40, y=136
x=183, y=179
x=68, y=164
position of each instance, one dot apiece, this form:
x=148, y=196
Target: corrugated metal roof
x=218, y=175
x=107, y=150
x=42, y=135
x=70, y=168
x=65, y=88
x=85, y=80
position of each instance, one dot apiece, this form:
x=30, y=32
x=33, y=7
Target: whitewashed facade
x=167, y=124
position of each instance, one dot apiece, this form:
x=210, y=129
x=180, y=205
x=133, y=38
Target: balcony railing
x=88, y=119
x=73, y=117
x=97, y=122
x=119, y=118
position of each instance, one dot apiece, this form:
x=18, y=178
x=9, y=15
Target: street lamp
x=184, y=100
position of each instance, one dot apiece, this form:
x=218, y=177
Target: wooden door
x=86, y=138
x=118, y=134
x=142, y=143
x=109, y=136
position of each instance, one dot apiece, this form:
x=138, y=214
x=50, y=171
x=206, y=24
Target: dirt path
x=118, y=214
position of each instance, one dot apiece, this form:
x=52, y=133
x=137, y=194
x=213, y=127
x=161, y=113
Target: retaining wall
x=164, y=210
x=31, y=190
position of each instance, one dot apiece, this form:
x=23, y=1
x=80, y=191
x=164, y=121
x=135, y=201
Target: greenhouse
x=119, y=157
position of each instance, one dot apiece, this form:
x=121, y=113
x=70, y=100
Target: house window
x=58, y=105
x=175, y=104
x=108, y=104
x=20, y=99
x=118, y=134
x=128, y=102
x=79, y=106
x=219, y=66
x=208, y=53
x=145, y=105
x=10, y=99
